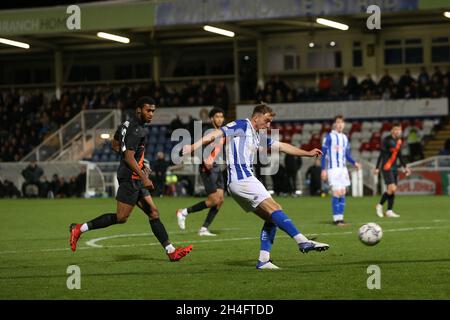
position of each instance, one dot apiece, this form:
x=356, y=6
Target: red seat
x=405, y=124
x=387, y=126
x=298, y=128
x=419, y=124
x=376, y=138
x=356, y=127
x=287, y=137
x=305, y=146
x=374, y=145
x=364, y=146
x=326, y=127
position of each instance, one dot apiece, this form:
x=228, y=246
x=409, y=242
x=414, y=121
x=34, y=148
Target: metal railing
x=74, y=133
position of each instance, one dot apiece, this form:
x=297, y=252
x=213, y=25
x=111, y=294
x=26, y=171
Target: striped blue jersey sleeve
x=326, y=147
x=235, y=128
x=348, y=154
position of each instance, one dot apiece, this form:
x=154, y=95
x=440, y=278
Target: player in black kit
x=390, y=152
x=212, y=178
x=134, y=182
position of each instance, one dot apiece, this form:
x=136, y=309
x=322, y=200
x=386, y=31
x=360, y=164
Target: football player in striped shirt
x=336, y=149
x=243, y=140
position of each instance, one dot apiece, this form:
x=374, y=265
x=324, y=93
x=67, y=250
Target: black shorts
x=212, y=180
x=130, y=192
x=390, y=176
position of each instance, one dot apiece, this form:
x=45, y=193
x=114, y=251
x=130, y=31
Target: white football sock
x=184, y=212
x=300, y=238
x=170, y=248
x=264, y=256
x=84, y=227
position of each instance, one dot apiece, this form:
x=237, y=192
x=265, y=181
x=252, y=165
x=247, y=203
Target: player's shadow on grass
x=133, y=257
x=283, y=265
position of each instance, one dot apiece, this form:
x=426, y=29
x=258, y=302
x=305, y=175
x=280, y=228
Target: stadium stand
x=277, y=90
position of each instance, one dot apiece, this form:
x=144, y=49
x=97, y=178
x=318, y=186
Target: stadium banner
x=200, y=11
x=167, y=115
x=53, y=19
x=424, y=183
x=354, y=109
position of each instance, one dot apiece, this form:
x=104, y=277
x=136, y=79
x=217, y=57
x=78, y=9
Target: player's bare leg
x=123, y=211
x=147, y=205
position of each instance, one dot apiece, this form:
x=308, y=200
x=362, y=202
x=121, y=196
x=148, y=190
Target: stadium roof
x=150, y=24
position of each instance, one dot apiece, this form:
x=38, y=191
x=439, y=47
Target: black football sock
x=160, y=232
x=197, y=207
x=210, y=217
x=391, y=201
x=384, y=197
x=103, y=221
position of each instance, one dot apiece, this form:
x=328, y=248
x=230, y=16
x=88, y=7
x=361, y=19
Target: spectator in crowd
x=423, y=76
x=36, y=116
x=159, y=168
x=368, y=84
x=313, y=179
x=445, y=151
x=386, y=81
x=8, y=190
x=352, y=87
x=32, y=174
x=405, y=81
x=45, y=189
x=324, y=85
x=437, y=76
x=413, y=136
x=80, y=183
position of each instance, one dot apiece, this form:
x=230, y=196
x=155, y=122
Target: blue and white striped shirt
x=242, y=144
x=336, y=149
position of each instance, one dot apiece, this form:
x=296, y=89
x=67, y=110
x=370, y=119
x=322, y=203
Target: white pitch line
x=209, y=240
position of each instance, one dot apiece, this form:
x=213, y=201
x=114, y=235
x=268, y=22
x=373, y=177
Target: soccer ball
x=370, y=234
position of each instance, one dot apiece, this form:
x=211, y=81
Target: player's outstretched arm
x=210, y=137
x=290, y=149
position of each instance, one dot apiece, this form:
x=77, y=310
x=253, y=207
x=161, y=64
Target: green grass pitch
x=129, y=263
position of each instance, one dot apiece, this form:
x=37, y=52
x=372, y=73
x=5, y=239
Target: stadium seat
x=366, y=155
x=104, y=158
x=365, y=147
x=317, y=127
x=307, y=127
x=384, y=134
x=356, y=136
x=326, y=127
x=387, y=126
x=297, y=128
x=366, y=135
x=355, y=145
x=405, y=124
x=366, y=126
x=297, y=138
x=376, y=125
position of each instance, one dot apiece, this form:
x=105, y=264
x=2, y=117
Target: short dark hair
x=263, y=109
x=215, y=110
x=144, y=100
x=396, y=124
x=339, y=116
